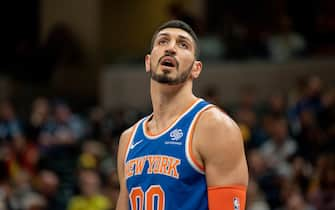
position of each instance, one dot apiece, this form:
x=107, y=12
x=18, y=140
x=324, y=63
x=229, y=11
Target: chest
x=165, y=155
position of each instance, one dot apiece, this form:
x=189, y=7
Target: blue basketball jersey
x=160, y=171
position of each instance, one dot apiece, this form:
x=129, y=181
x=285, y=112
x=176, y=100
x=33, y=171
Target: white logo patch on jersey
x=176, y=134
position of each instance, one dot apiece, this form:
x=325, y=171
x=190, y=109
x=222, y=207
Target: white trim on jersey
x=131, y=139
x=151, y=137
x=188, y=140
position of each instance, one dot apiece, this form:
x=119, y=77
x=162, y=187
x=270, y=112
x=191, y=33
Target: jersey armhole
x=189, y=141
x=130, y=139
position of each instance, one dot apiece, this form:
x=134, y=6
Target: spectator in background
x=47, y=184
x=246, y=113
x=322, y=194
x=313, y=92
x=65, y=129
x=10, y=126
x=60, y=139
x=266, y=177
x=256, y=199
x=296, y=201
x=276, y=105
x=285, y=44
x=304, y=118
x=302, y=172
x=19, y=155
x=296, y=93
x=247, y=121
x=112, y=189
x=280, y=147
x=5, y=187
x=39, y=118
x=22, y=190
x=247, y=99
x=34, y=202
x=108, y=171
x=326, y=118
x=98, y=128
x=92, y=154
x=309, y=99
x=235, y=37
x=292, y=189
x=119, y=122
x=311, y=139
x=90, y=196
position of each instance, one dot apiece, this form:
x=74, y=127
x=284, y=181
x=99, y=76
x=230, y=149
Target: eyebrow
x=179, y=36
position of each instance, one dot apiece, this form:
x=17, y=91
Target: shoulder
x=219, y=148
x=214, y=119
x=126, y=135
x=215, y=131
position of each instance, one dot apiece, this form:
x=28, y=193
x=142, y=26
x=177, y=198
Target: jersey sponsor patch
x=176, y=134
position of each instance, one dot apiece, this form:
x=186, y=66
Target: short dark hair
x=181, y=25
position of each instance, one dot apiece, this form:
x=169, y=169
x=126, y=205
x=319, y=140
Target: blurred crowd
x=275, y=31
x=272, y=31
x=237, y=41
x=290, y=144
x=56, y=159
x=53, y=158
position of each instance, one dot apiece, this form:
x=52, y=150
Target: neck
x=169, y=102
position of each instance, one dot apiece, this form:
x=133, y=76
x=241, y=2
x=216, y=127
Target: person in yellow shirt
x=90, y=197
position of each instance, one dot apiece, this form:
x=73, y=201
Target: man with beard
x=187, y=154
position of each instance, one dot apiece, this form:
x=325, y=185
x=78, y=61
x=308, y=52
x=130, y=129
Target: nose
x=171, y=48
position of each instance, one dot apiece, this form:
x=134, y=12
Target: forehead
x=175, y=32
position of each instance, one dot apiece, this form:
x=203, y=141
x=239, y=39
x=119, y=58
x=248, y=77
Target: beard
x=165, y=78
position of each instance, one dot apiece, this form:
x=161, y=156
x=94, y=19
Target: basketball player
x=187, y=154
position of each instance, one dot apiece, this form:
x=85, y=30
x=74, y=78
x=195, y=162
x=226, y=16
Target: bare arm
x=122, y=203
x=218, y=146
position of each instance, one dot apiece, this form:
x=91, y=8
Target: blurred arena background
x=72, y=79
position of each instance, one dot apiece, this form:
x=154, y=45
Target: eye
x=183, y=45
x=162, y=42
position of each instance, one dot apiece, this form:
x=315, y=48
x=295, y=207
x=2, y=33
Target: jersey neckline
x=152, y=136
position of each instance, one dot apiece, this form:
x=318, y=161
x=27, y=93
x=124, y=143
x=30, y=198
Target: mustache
x=170, y=55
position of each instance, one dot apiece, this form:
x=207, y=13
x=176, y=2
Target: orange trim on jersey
x=194, y=160
x=149, y=133
x=231, y=197
x=129, y=139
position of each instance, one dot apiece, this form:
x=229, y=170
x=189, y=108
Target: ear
x=147, y=63
x=197, y=67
